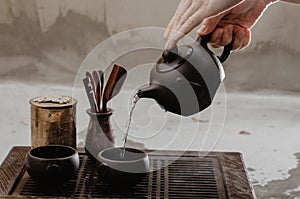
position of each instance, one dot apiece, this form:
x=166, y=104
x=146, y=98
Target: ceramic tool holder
x=53, y=121
x=99, y=133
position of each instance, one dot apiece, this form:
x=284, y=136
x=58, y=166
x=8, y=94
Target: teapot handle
x=226, y=52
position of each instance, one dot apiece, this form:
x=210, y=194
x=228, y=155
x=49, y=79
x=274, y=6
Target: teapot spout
x=163, y=96
x=149, y=91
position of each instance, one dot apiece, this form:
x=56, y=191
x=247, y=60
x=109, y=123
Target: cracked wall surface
x=47, y=40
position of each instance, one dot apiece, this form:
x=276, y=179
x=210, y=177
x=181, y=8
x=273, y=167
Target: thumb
x=208, y=25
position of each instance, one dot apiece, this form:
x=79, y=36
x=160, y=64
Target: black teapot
x=185, y=79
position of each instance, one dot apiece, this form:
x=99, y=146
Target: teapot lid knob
x=170, y=55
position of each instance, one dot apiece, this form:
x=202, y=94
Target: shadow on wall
x=46, y=41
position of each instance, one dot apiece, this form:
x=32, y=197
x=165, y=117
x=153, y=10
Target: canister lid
x=53, y=101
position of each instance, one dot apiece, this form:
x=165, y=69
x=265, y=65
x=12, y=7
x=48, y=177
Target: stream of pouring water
x=134, y=101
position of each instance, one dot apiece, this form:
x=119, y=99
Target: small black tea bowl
x=52, y=164
x=121, y=171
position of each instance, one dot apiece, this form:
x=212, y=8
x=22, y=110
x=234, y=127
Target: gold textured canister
x=53, y=121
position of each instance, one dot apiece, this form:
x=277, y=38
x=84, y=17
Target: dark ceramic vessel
x=186, y=78
x=122, y=172
x=99, y=134
x=52, y=163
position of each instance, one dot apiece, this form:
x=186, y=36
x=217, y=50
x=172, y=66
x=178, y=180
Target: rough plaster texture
x=51, y=38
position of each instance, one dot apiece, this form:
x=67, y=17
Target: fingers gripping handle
x=226, y=52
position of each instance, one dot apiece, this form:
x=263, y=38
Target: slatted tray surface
x=188, y=176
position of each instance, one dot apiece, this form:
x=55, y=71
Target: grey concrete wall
x=45, y=41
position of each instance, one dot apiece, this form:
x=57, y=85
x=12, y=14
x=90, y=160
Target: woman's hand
x=233, y=24
x=227, y=20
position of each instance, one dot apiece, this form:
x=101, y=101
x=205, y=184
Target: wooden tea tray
x=183, y=175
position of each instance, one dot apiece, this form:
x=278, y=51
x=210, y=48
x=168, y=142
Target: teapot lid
x=174, y=58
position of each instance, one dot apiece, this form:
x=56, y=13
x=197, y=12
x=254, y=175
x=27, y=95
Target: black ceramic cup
x=122, y=171
x=52, y=163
